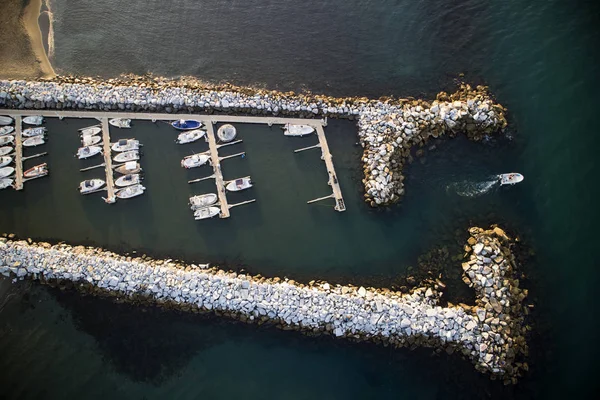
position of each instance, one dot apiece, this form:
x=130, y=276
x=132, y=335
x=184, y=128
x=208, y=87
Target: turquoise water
x=539, y=61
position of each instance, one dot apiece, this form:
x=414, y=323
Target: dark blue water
x=539, y=61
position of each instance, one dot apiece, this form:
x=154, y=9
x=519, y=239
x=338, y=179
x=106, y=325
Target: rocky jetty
x=490, y=333
x=387, y=128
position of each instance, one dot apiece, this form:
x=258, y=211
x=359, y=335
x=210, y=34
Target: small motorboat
x=239, y=184
x=5, y=120
x=203, y=200
x=6, y=182
x=34, y=141
x=130, y=155
x=6, y=171
x=206, y=212
x=128, y=180
x=88, y=151
x=120, y=122
x=510, y=179
x=5, y=160
x=90, y=131
x=130, y=191
x=186, y=124
x=6, y=139
x=297, y=130
x=33, y=120
x=126, y=145
x=37, y=171
x=6, y=150
x=195, y=160
x=31, y=132
x=90, y=140
x=5, y=130
x=226, y=133
x=91, y=185
x=130, y=167
x=190, y=136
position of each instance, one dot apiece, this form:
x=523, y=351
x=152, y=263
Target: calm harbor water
x=538, y=61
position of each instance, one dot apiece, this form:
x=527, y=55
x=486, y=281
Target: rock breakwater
x=387, y=128
x=490, y=333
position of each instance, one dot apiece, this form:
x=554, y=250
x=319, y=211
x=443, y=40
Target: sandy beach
x=22, y=53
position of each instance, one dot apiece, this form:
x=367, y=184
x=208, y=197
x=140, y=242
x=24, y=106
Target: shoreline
x=31, y=17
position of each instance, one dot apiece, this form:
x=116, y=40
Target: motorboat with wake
x=33, y=120
x=186, y=124
x=130, y=155
x=130, y=167
x=6, y=139
x=126, y=145
x=226, y=133
x=6, y=182
x=31, y=132
x=5, y=150
x=206, y=212
x=128, y=180
x=5, y=160
x=5, y=120
x=297, y=130
x=34, y=141
x=510, y=179
x=91, y=186
x=5, y=130
x=90, y=130
x=6, y=172
x=88, y=151
x=90, y=140
x=239, y=184
x=130, y=191
x=120, y=122
x=202, y=200
x=190, y=136
x=195, y=160
x=37, y=171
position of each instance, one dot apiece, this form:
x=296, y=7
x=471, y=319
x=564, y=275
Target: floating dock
x=110, y=183
x=18, y=154
x=218, y=175
x=333, y=181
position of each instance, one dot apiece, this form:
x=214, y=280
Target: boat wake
x=473, y=189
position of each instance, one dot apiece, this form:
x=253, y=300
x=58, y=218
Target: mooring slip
x=110, y=183
x=216, y=164
x=333, y=181
x=18, y=154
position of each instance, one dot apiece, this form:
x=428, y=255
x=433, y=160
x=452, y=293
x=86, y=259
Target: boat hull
x=5, y=120
x=6, y=171
x=33, y=120
x=130, y=191
x=6, y=150
x=131, y=155
x=91, y=151
x=510, y=179
x=90, y=131
x=297, y=130
x=5, y=130
x=131, y=144
x=186, y=125
x=194, y=161
x=90, y=140
x=190, y=136
x=91, y=186
x=128, y=180
x=32, y=132
x=6, y=182
x=122, y=169
x=37, y=171
x=206, y=213
x=5, y=160
x=6, y=139
x=239, y=185
x=120, y=122
x=202, y=201
x=34, y=141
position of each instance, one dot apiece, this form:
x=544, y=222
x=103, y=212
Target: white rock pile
x=489, y=333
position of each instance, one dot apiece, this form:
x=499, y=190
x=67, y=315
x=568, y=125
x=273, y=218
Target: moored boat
x=190, y=136
x=90, y=140
x=6, y=150
x=37, y=171
x=130, y=167
x=126, y=145
x=120, y=122
x=34, y=141
x=6, y=171
x=239, y=184
x=88, y=151
x=226, y=133
x=5, y=130
x=31, y=132
x=91, y=185
x=90, y=130
x=128, y=180
x=206, y=212
x=297, y=130
x=6, y=182
x=202, y=200
x=5, y=120
x=6, y=139
x=130, y=191
x=510, y=179
x=33, y=120
x=186, y=124
x=5, y=160
x=195, y=160
x=130, y=155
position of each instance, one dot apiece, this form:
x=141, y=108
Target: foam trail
x=473, y=189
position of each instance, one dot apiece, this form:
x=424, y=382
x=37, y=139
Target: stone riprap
x=387, y=128
x=490, y=333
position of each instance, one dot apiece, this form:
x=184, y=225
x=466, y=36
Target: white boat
x=91, y=185
x=5, y=120
x=31, y=132
x=6, y=182
x=297, y=130
x=206, y=212
x=510, y=179
x=203, y=200
x=34, y=141
x=130, y=155
x=88, y=151
x=120, y=122
x=90, y=131
x=6, y=150
x=90, y=140
x=239, y=184
x=5, y=160
x=226, y=133
x=128, y=180
x=5, y=130
x=126, y=145
x=6, y=171
x=130, y=167
x=33, y=120
x=195, y=160
x=190, y=136
x=38, y=170
x=6, y=139
x=130, y=191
